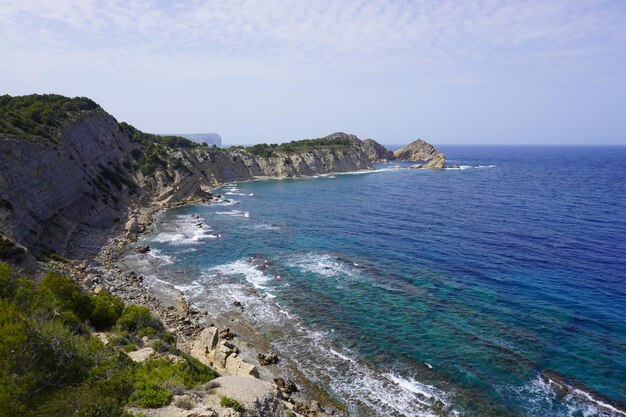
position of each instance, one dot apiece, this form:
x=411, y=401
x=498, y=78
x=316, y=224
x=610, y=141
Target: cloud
x=210, y=38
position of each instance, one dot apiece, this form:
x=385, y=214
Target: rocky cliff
x=89, y=172
x=377, y=152
x=420, y=150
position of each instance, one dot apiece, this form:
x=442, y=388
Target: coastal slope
x=68, y=169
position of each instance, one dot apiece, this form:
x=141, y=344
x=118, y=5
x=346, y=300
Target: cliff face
x=420, y=150
x=89, y=178
x=55, y=188
x=308, y=163
x=377, y=152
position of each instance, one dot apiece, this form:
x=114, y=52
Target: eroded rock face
x=421, y=150
x=57, y=188
x=377, y=152
x=437, y=162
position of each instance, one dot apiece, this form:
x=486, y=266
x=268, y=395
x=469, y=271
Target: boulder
x=181, y=304
x=269, y=359
x=204, y=345
x=227, y=334
x=141, y=354
x=142, y=249
x=222, y=351
x=258, y=397
x=237, y=366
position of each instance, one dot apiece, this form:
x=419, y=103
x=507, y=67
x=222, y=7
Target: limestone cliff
x=420, y=150
x=87, y=175
x=377, y=152
x=80, y=181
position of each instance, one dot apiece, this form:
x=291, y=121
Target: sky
x=450, y=72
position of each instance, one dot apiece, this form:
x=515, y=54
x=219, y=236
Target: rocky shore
x=228, y=344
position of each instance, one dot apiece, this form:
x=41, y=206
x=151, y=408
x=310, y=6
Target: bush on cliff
x=51, y=366
x=39, y=115
x=63, y=295
x=107, y=309
x=264, y=150
x=139, y=319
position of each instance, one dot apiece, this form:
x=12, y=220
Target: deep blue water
x=400, y=288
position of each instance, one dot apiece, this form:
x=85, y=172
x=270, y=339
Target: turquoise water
x=406, y=291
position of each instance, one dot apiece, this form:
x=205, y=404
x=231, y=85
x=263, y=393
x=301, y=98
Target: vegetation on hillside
x=155, y=148
x=266, y=151
x=39, y=115
x=53, y=366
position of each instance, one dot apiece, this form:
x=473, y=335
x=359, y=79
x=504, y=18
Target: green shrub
x=53, y=255
x=38, y=355
x=8, y=282
x=231, y=403
x=150, y=395
x=330, y=142
x=136, y=318
x=113, y=376
x=131, y=347
x=119, y=339
x=80, y=401
x=39, y=115
x=49, y=368
x=65, y=294
x=145, y=332
x=188, y=372
x=160, y=346
x=169, y=338
x=107, y=309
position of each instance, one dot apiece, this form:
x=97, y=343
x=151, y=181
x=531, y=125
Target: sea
x=494, y=289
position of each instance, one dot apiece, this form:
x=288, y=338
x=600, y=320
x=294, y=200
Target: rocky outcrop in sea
x=421, y=150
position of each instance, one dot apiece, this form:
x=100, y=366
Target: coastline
x=186, y=322
x=101, y=271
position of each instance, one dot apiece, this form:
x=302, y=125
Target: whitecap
x=193, y=289
x=322, y=264
x=184, y=230
x=158, y=255
x=234, y=213
x=226, y=202
x=539, y=395
x=412, y=385
x=243, y=267
x=264, y=226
